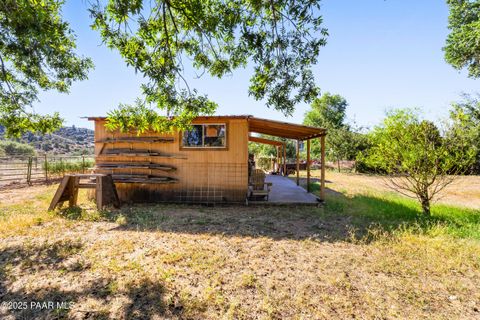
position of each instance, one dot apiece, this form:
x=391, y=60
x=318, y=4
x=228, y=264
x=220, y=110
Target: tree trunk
x=425, y=206
x=338, y=164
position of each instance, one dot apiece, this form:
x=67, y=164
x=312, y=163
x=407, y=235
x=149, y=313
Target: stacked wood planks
x=138, y=140
x=138, y=153
x=142, y=178
x=134, y=165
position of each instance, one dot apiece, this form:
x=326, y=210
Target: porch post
x=284, y=159
x=308, y=165
x=298, y=162
x=322, y=162
x=277, y=170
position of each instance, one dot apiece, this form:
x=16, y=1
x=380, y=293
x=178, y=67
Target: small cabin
x=207, y=164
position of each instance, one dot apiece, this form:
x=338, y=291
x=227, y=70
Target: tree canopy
x=327, y=111
x=419, y=161
x=462, y=48
x=163, y=38
x=36, y=53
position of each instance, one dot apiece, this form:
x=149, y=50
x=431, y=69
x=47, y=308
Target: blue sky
x=380, y=54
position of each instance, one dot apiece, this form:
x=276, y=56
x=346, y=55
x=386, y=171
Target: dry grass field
x=367, y=254
x=464, y=191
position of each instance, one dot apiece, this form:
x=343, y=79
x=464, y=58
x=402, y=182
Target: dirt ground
x=194, y=262
x=23, y=193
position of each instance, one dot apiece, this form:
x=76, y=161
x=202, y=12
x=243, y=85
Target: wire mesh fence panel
x=212, y=183
x=25, y=169
x=194, y=182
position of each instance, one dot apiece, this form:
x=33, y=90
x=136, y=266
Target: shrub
x=264, y=163
x=13, y=148
x=67, y=166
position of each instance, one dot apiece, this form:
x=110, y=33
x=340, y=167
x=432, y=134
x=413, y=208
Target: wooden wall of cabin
x=207, y=175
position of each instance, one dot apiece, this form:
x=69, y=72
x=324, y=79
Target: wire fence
x=30, y=169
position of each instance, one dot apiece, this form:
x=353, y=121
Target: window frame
x=203, y=147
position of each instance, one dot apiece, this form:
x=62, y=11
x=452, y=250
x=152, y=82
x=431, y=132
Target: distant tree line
x=13, y=148
x=348, y=141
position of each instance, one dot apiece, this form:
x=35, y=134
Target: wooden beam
x=298, y=162
x=74, y=182
x=59, y=193
x=284, y=159
x=283, y=129
x=322, y=175
x=264, y=141
x=99, y=193
x=308, y=165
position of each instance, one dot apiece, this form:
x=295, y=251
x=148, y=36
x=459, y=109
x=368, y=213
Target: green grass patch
x=391, y=212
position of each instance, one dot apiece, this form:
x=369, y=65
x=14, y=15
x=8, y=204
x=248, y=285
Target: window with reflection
x=205, y=136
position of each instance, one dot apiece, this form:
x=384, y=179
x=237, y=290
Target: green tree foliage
x=469, y=107
x=343, y=141
x=13, y=148
x=328, y=111
x=418, y=160
x=266, y=150
x=281, y=39
x=465, y=118
x=462, y=48
x=36, y=53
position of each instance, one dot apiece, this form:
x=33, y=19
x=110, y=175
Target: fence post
x=29, y=170
x=83, y=163
x=46, y=168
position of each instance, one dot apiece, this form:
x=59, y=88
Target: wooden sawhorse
x=105, y=191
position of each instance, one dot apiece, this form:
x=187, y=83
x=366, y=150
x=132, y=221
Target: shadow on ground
x=143, y=298
x=340, y=219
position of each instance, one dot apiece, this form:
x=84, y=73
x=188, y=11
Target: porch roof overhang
x=266, y=126
x=265, y=141
x=284, y=129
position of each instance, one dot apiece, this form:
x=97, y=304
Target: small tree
x=418, y=160
x=344, y=141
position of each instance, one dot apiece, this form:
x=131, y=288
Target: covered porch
x=283, y=189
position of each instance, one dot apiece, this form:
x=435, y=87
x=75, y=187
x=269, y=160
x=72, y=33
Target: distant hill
x=66, y=140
